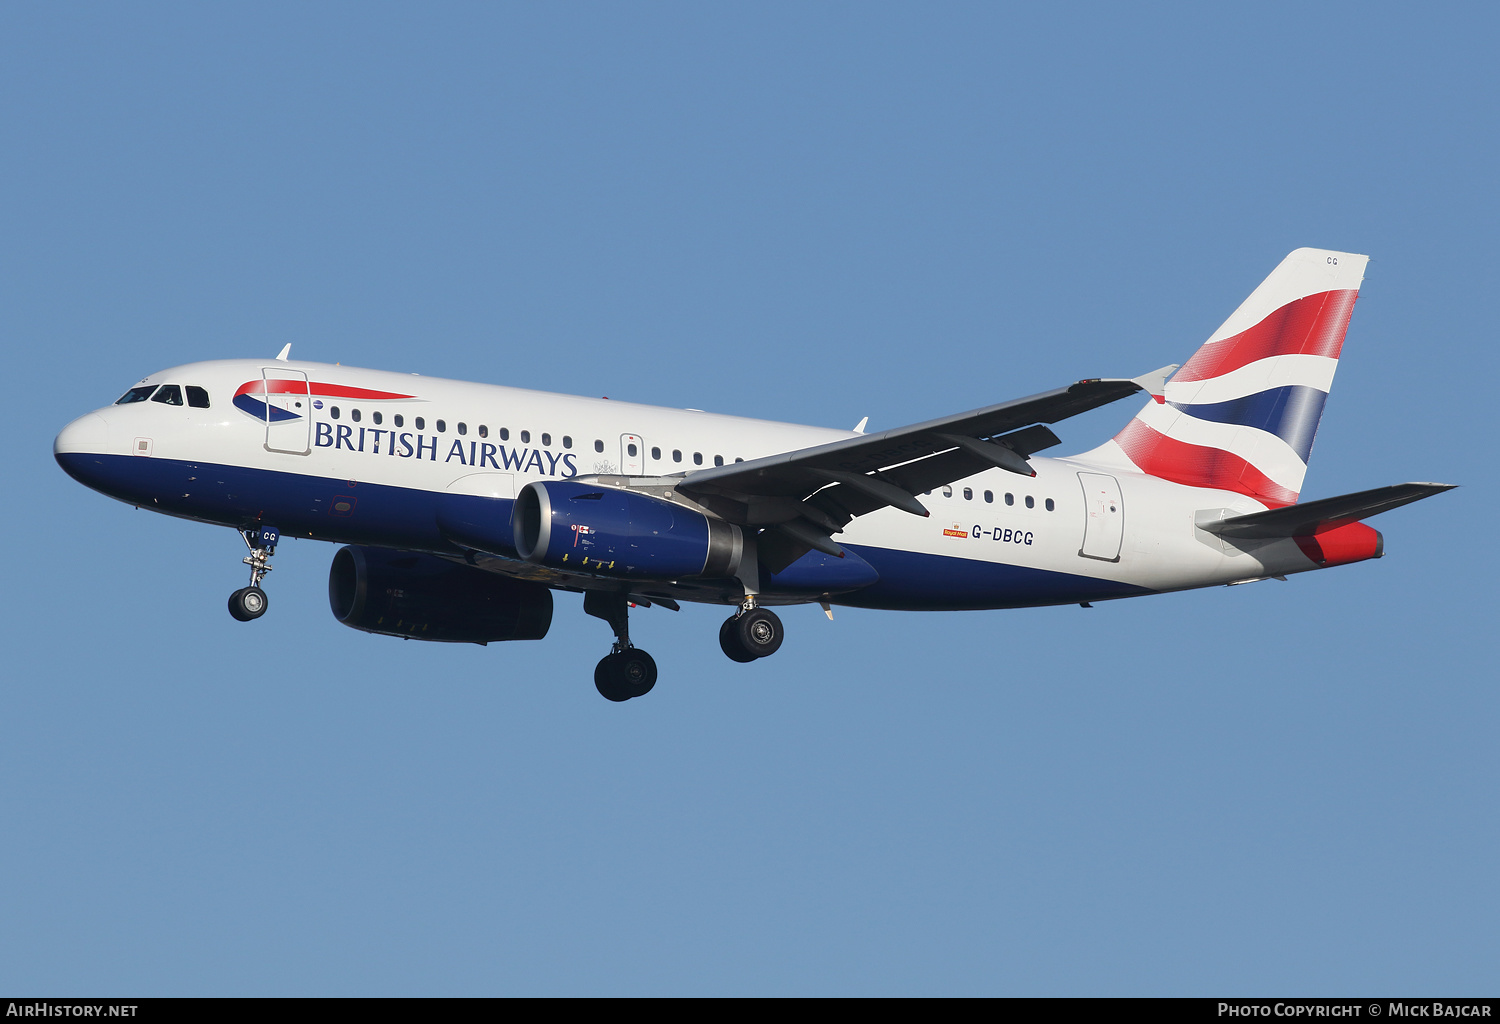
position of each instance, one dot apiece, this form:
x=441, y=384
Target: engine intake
x=423, y=597
x=614, y=532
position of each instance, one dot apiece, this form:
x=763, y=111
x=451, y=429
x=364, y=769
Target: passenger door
x=1104, y=523
x=632, y=455
x=288, y=411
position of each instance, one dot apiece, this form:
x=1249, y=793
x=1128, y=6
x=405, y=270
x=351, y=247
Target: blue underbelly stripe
x=915, y=581
x=240, y=497
x=407, y=518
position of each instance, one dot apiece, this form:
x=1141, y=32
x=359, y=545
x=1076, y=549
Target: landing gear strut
x=626, y=671
x=250, y=602
x=751, y=633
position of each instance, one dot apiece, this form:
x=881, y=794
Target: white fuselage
x=357, y=466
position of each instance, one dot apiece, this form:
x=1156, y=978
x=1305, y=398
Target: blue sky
x=809, y=212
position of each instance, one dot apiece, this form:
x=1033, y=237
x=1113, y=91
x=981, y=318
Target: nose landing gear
x=626, y=671
x=751, y=633
x=250, y=602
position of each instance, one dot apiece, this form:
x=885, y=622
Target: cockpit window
x=134, y=395
x=197, y=397
x=168, y=394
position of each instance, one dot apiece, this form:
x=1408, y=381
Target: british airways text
x=407, y=445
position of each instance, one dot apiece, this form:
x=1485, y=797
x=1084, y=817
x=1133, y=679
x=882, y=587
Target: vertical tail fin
x=1242, y=412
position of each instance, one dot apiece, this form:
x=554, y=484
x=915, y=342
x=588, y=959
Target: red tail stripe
x=1313, y=325
x=1197, y=466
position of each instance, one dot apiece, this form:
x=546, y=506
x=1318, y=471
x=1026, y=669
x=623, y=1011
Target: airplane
x=464, y=506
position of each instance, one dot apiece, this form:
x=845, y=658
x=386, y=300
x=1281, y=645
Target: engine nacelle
x=423, y=597
x=614, y=532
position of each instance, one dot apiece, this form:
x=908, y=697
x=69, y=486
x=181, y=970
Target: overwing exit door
x=1104, y=525
x=632, y=456
x=288, y=411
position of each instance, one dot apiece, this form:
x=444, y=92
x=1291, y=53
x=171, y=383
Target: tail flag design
x=1242, y=413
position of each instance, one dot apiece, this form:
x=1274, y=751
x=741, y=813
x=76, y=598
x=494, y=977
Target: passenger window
x=525, y=437
x=676, y=455
x=134, y=395
x=738, y=459
x=968, y=494
x=505, y=433
x=333, y=411
x=1030, y=501
x=441, y=426
x=484, y=431
x=989, y=496
x=697, y=458
x=197, y=397
x=947, y=491
x=354, y=415
x=400, y=421
x=547, y=441
x=598, y=445
x=420, y=423
x=631, y=448
x=567, y=441
x=463, y=428
x=656, y=454
x=1050, y=506
x=1010, y=499
x=168, y=394
x=718, y=460
x=374, y=416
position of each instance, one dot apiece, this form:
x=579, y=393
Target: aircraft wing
x=805, y=496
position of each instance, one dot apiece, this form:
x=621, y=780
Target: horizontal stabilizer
x=1324, y=514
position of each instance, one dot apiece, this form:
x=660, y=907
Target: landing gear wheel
x=729, y=642
x=247, y=603
x=625, y=674
x=638, y=670
x=759, y=632
x=607, y=680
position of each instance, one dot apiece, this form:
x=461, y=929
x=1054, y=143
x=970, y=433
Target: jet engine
x=423, y=597
x=609, y=531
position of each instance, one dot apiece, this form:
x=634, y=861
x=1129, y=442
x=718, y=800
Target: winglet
x=859, y=428
x=1155, y=382
x=286, y=352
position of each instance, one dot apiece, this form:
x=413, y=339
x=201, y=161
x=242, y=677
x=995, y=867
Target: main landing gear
x=626, y=671
x=751, y=633
x=250, y=602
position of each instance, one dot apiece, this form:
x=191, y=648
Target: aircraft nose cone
x=88, y=434
x=84, y=448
